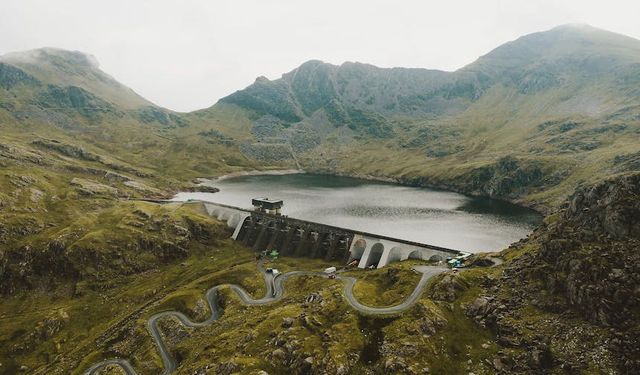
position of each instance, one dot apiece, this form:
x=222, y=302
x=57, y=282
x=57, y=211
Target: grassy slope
x=482, y=148
x=119, y=295
x=73, y=68
x=105, y=315
x=106, y=319
x=81, y=323
x=527, y=95
x=246, y=338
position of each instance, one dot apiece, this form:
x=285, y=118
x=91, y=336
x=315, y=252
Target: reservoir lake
x=434, y=217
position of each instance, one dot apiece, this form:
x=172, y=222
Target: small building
x=270, y=206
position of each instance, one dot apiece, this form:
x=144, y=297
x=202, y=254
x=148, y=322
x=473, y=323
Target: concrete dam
x=266, y=229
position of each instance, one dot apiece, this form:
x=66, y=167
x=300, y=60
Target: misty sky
x=187, y=54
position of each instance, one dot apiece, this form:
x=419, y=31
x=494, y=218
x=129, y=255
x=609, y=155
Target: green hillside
x=528, y=121
x=550, y=120
x=73, y=68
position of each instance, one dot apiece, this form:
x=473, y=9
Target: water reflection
x=436, y=217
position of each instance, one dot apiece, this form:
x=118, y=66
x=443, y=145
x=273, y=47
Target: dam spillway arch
x=233, y=216
x=397, y=250
x=294, y=237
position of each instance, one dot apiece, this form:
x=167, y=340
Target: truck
x=457, y=262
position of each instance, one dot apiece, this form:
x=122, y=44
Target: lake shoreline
x=255, y=172
x=382, y=206
x=541, y=210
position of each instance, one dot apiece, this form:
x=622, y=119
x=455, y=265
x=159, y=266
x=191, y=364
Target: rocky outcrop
x=592, y=253
x=74, y=98
x=358, y=95
x=585, y=264
x=448, y=288
x=510, y=177
x=80, y=153
x=67, y=149
x=163, y=117
x=10, y=76
x=215, y=136
x=266, y=152
x=611, y=208
x=89, y=188
x=627, y=162
x=590, y=258
x=143, y=188
x=200, y=188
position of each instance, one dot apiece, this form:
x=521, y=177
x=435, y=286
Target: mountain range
x=528, y=122
x=550, y=120
x=557, y=102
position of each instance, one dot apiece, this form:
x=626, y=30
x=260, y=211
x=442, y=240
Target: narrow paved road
x=274, y=292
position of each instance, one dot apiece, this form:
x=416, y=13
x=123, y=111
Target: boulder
x=202, y=189
x=227, y=368
x=394, y=365
x=279, y=354
x=287, y=322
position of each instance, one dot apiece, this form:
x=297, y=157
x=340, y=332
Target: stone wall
x=294, y=237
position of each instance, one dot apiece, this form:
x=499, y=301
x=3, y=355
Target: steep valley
x=550, y=121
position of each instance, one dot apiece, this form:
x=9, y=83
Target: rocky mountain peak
x=54, y=66
x=52, y=56
x=574, y=41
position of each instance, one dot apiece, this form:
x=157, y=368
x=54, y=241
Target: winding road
x=274, y=292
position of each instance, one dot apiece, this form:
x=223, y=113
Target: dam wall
x=294, y=237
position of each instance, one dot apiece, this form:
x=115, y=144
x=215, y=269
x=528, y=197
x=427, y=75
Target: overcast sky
x=187, y=54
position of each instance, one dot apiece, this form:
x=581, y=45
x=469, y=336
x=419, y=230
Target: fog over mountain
x=462, y=124
x=186, y=56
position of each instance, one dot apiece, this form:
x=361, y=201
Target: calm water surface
x=418, y=214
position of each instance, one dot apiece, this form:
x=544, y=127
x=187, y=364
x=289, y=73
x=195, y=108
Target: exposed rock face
x=587, y=266
x=88, y=187
x=113, y=176
x=80, y=153
x=11, y=76
x=67, y=149
x=627, y=162
x=612, y=207
x=266, y=151
x=358, y=95
x=510, y=177
x=75, y=98
x=201, y=189
x=166, y=118
x=592, y=252
x=448, y=288
x=144, y=188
